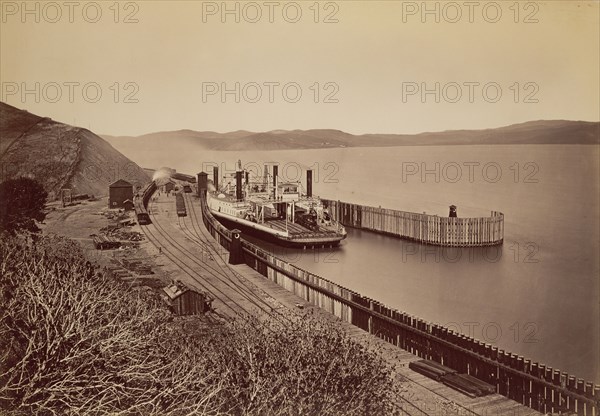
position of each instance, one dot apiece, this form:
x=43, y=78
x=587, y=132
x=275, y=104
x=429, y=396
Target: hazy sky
x=360, y=66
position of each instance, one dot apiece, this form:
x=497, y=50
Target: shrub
x=75, y=341
x=22, y=202
x=303, y=366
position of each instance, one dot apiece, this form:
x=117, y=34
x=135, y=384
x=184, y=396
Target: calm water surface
x=537, y=295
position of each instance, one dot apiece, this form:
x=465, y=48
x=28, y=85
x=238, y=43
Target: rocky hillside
x=60, y=156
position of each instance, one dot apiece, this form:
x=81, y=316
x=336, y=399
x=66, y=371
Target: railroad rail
x=211, y=281
x=529, y=383
x=209, y=272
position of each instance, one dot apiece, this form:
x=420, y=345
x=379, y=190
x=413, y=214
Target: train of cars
x=183, y=177
x=141, y=203
x=180, y=205
x=143, y=197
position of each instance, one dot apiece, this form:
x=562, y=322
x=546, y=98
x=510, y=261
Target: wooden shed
x=169, y=186
x=185, y=301
x=119, y=192
x=128, y=205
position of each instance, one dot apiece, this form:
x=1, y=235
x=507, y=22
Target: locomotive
x=308, y=219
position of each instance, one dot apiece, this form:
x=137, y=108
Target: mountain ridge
x=531, y=132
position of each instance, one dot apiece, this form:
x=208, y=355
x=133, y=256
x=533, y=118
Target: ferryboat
x=278, y=212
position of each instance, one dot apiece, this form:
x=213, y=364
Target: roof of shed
x=120, y=184
x=175, y=290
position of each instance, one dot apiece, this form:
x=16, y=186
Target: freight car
x=141, y=203
x=147, y=193
x=180, y=204
x=140, y=211
x=143, y=217
x=183, y=177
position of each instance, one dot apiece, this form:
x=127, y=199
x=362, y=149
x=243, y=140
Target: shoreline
x=419, y=393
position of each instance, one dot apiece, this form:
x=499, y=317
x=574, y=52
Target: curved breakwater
x=423, y=228
x=532, y=384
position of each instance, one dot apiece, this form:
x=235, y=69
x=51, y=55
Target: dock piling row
x=422, y=228
x=529, y=383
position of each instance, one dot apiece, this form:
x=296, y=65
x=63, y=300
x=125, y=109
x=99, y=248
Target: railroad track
x=188, y=263
x=203, y=238
x=173, y=256
x=213, y=279
x=219, y=281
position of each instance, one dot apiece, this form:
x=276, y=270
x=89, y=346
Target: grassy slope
x=60, y=156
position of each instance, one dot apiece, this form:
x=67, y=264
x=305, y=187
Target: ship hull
x=247, y=227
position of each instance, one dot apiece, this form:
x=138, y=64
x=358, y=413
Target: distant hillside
x=533, y=132
x=60, y=156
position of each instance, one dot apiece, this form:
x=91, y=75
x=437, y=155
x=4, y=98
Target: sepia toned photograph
x=310, y=207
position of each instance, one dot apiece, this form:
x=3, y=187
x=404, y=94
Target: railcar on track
x=141, y=203
x=180, y=205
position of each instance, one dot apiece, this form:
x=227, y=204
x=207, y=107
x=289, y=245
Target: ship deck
x=296, y=229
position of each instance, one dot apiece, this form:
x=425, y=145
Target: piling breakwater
x=423, y=228
x=532, y=384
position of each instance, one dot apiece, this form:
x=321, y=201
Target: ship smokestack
x=275, y=194
x=216, y=177
x=309, y=183
x=247, y=178
x=266, y=176
x=452, y=211
x=238, y=186
x=202, y=183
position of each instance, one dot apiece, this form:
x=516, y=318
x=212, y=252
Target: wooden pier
x=423, y=228
x=527, y=383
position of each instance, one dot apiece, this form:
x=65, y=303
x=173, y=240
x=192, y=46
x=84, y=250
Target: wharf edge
x=531, y=384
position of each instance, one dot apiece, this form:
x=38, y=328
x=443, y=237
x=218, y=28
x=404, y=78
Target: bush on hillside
x=304, y=366
x=75, y=341
x=22, y=203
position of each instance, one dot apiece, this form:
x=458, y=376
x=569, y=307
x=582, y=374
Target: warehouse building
x=119, y=192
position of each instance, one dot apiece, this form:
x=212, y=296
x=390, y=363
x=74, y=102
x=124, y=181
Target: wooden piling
x=424, y=228
x=532, y=384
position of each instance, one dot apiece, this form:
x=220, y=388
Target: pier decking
x=295, y=229
x=529, y=383
x=253, y=293
x=522, y=387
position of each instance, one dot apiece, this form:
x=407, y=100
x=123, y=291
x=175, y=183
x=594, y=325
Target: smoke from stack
x=162, y=174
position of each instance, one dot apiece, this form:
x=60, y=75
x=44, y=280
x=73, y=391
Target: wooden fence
x=424, y=228
x=535, y=385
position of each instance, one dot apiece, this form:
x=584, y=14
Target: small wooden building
x=119, y=192
x=128, y=205
x=185, y=301
x=168, y=187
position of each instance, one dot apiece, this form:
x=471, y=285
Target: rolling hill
x=533, y=132
x=59, y=155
